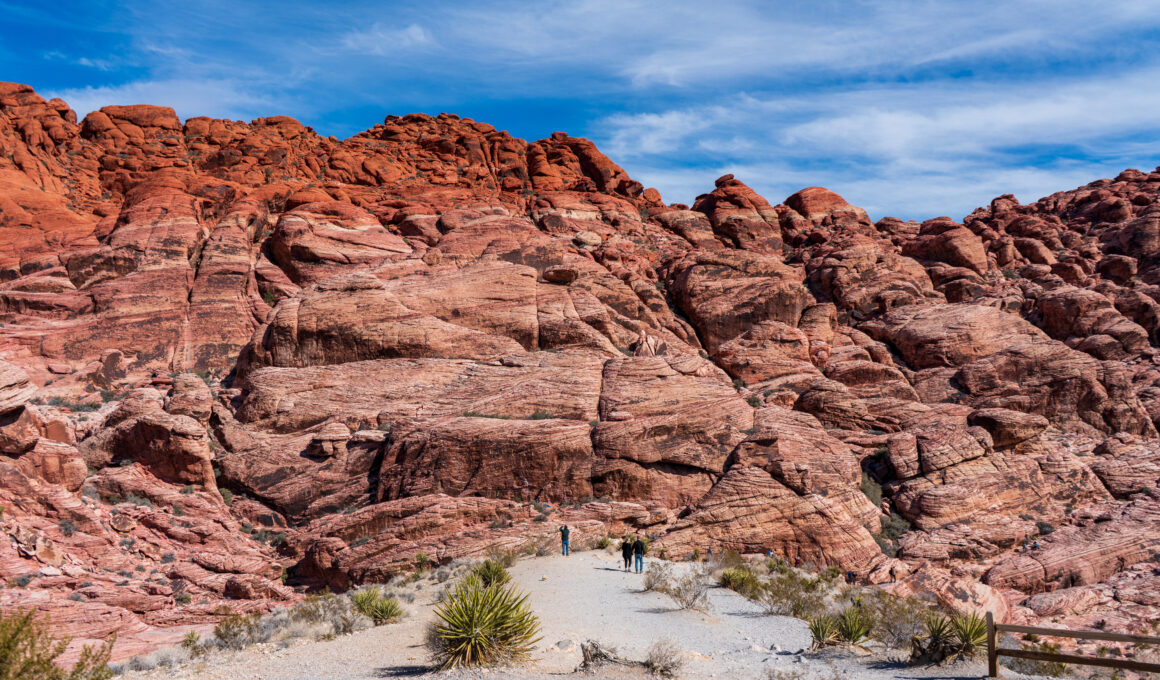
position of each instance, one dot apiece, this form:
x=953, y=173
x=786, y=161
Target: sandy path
x=581, y=597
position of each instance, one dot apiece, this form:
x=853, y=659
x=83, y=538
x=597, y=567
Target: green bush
x=603, y=543
x=897, y=620
x=480, y=626
x=823, y=631
x=236, y=631
x=741, y=580
x=790, y=594
x=28, y=651
x=872, y=489
x=491, y=573
x=854, y=626
x=377, y=606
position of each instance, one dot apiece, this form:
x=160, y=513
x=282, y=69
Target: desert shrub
x=791, y=594
x=755, y=401
x=664, y=658
x=823, y=631
x=657, y=576
x=730, y=559
x=236, y=631
x=894, y=526
x=897, y=620
x=192, y=644
x=1044, y=528
x=505, y=557
x=480, y=626
x=67, y=527
x=375, y=605
x=332, y=611
x=227, y=496
x=958, y=635
x=28, y=651
x=422, y=561
x=1052, y=669
x=689, y=590
x=741, y=580
x=871, y=489
x=491, y=573
x=970, y=633
x=603, y=543
x=854, y=626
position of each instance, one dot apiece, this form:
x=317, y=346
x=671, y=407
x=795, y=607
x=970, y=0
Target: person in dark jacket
x=638, y=553
x=564, y=532
x=626, y=553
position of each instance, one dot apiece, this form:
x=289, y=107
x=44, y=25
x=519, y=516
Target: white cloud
x=915, y=150
x=382, y=41
x=188, y=98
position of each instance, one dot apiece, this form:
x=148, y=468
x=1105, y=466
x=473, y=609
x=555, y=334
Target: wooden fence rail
x=994, y=651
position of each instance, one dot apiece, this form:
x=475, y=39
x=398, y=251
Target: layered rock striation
x=242, y=360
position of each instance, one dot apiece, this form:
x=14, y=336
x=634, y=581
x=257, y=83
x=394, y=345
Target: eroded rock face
x=400, y=342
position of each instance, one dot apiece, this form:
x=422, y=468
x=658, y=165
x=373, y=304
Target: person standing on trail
x=638, y=552
x=564, y=532
x=626, y=553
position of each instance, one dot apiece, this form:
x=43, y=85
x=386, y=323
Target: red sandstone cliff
x=404, y=339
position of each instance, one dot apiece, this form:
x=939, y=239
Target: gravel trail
x=585, y=596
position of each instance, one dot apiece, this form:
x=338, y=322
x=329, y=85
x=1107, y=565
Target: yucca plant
x=824, y=631
x=491, y=573
x=854, y=626
x=938, y=629
x=970, y=633
x=480, y=626
x=376, y=606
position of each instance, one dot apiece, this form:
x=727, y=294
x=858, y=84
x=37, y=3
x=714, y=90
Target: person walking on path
x=638, y=552
x=626, y=553
x=564, y=532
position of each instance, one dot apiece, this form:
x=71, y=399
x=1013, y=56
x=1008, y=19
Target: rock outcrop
x=236, y=354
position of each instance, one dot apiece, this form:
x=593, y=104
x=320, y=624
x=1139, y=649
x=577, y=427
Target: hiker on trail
x=564, y=531
x=626, y=553
x=638, y=552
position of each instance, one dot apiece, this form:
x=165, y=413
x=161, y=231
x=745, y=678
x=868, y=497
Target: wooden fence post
x=992, y=648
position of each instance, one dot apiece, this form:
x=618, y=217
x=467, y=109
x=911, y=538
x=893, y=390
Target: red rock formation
x=405, y=339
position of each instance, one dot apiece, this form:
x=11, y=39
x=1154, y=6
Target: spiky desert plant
x=854, y=626
x=479, y=626
x=970, y=633
x=28, y=651
x=376, y=606
x=491, y=573
x=823, y=631
x=938, y=629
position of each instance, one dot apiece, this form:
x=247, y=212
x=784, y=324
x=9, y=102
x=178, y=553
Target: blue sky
x=911, y=109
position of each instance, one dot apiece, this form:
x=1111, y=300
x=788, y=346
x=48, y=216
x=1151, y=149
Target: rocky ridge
x=243, y=359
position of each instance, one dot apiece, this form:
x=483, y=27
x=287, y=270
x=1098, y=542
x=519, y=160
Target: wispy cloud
x=908, y=107
x=381, y=41
x=223, y=99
